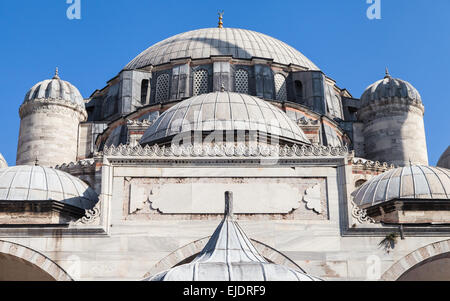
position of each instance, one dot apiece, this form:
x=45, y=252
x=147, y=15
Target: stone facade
x=49, y=133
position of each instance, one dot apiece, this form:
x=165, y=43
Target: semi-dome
x=36, y=183
x=414, y=182
x=388, y=88
x=224, y=111
x=444, y=161
x=208, y=42
x=55, y=89
x=230, y=256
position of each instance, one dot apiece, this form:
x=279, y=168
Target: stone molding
x=226, y=151
x=30, y=256
x=47, y=105
x=410, y=261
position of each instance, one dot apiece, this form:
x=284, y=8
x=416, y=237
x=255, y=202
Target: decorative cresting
x=209, y=42
x=36, y=183
x=412, y=182
x=230, y=256
x=224, y=111
x=30, y=256
x=224, y=151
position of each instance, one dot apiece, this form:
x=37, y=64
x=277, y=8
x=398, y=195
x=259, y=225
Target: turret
x=50, y=118
x=394, y=131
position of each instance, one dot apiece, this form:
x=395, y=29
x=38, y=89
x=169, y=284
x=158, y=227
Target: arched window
x=162, y=88
x=360, y=183
x=145, y=84
x=299, y=91
x=337, y=106
x=280, y=87
x=241, y=81
x=200, y=82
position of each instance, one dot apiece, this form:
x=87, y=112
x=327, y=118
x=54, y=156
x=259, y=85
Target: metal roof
x=411, y=182
x=223, y=111
x=36, y=183
x=204, y=43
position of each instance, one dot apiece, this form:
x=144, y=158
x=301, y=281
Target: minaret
x=50, y=117
x=394, y=130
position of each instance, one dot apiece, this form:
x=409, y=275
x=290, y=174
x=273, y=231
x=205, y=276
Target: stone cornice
x=53, y=105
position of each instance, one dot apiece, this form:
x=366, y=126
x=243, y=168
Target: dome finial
x=229, y=205
x=387, y=73
x=221, y=19
x=56, y=73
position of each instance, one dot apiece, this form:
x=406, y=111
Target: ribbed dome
x=390, y=87
x=36, y=183
x=204, y=43
x=230, y=256
x=411, y=182
x=444, y=161
x=55, y=89
x=223, y=111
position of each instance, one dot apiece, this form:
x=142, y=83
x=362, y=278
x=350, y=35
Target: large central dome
x=204, y=43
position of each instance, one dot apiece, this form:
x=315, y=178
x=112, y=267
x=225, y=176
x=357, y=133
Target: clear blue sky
x=412, y=39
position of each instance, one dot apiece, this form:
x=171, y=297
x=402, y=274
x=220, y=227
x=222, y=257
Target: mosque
x=132, y=182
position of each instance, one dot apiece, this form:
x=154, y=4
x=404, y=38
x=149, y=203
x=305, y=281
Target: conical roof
x=230, y=256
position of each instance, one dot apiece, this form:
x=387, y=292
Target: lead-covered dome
x=408, y=183
x=390, y=88
x=208, y=42
x=55, y=89
x=36, y=183
x=224, y=111
x=444, y=161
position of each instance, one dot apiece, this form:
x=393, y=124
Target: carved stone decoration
x=223, y=150
x=361, y=215
x=312, y=199
x=90, y=216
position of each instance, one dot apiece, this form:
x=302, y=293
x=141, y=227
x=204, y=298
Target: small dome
x=57, y=89
x=444, y=161
x=3, y=163
x=224, y=111
x=390, y=87
x=411, y=182
x=208, y=42
x=36, y=183
x=230, y=256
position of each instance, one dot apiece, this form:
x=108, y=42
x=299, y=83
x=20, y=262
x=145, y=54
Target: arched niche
x=427, y=260
x=19, y=263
